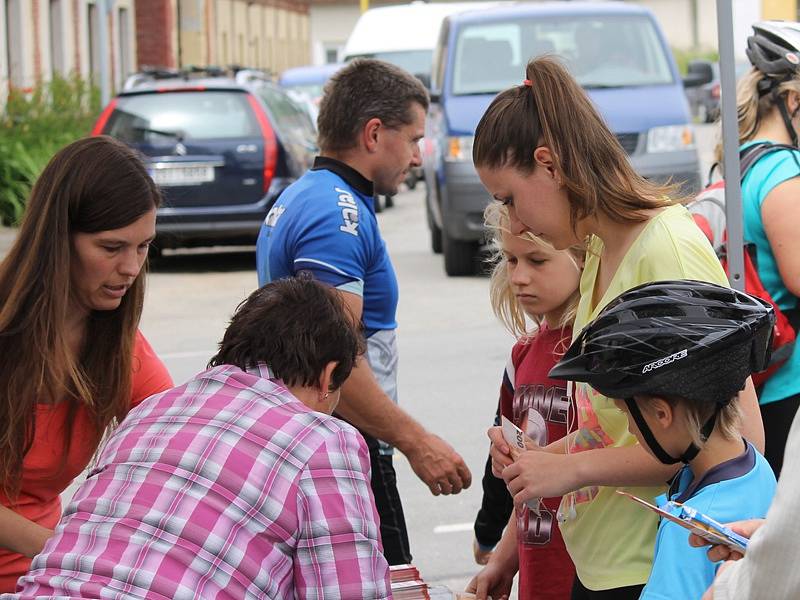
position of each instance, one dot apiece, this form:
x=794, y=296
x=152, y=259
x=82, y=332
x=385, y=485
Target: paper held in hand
x=515, y=438
x=696, y=522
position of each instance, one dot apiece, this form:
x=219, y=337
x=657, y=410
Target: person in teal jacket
x=769, y=111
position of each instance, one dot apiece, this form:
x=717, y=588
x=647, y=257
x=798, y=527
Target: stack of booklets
x=407, y=584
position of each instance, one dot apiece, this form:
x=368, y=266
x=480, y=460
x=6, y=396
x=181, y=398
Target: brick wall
x=155, y=22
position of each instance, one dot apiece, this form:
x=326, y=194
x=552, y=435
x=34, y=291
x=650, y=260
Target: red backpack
x=708, y=210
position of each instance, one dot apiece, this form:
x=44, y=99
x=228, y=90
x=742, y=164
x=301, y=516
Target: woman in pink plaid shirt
x=237, y=484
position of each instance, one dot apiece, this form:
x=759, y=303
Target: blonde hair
x=556, y=112
x=505, y=305
x=728, y=421
x=752, y=109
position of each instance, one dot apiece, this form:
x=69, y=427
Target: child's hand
x=718, y=553
x=482, y=555
x=491, y=582
x=540, y=474
x=499, y=451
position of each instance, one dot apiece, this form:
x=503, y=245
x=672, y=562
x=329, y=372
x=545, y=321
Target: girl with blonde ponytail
x=543, y=151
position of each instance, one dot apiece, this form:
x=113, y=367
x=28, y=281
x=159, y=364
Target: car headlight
x=671, y=138
x=459, y=148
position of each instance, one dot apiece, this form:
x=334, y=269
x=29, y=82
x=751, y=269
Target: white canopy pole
x=730, y=145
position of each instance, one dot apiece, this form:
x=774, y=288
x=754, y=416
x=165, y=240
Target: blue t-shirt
x=741, y=488
x=325, y=223
x=768, y=172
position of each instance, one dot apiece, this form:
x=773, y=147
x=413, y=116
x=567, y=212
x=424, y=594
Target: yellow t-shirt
x=610, y=538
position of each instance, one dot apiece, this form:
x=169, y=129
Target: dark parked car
x=704, y=99
x=221, y=145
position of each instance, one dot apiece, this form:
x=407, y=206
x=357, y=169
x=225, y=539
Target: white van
x=403, y=35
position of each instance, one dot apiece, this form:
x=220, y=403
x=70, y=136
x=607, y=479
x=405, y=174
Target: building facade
x=39, y=38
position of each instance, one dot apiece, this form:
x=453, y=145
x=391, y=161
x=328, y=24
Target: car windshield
x=208, y=114
x=416, y=62
x=600, y=52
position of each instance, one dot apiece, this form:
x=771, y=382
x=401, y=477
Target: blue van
x=615, y=50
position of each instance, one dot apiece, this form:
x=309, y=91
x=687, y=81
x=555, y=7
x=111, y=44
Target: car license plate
x=171, y=176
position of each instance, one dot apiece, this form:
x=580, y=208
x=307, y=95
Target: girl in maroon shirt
x=532, y=283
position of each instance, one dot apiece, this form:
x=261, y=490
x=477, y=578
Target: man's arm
x=364, y=404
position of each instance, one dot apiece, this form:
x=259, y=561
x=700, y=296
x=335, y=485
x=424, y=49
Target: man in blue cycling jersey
x=370, y=121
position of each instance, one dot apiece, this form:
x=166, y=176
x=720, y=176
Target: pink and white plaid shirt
x=224, y=487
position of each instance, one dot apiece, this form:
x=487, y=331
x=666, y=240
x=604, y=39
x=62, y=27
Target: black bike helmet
x=774, y=49
x=689, y=339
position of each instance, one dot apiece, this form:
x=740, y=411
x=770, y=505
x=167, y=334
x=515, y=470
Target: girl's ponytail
x=551, y=109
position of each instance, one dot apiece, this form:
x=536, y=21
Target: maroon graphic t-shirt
x=540, y=406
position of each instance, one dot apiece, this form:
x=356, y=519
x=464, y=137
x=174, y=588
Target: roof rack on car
x=244, y=75
x=149, y=74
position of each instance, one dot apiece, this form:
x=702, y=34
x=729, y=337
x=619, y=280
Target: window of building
x=125, y=66
x=14, y=48
x=56, y=23
x=94, y=43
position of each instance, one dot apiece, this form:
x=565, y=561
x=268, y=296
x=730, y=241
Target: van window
x=416, y=62
x=600, y=52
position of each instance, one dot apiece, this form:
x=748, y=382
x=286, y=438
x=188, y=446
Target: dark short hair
x=296, y=326
x=366, y=89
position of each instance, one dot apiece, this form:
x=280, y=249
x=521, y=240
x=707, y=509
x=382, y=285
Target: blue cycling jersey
x=741, y=488
x=325, y=224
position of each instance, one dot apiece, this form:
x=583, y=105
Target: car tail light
x=715, y=91
x=270, y=142
x=100, y=124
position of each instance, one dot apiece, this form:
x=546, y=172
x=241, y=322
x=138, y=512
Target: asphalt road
x=452, y=352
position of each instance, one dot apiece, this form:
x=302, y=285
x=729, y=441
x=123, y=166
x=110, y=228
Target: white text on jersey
x=349, y=212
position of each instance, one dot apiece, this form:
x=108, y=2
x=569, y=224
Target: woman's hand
x=493, y=581
x=540, y=474
x=718, y=552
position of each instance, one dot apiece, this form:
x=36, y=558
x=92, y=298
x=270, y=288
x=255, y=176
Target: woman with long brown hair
x=543, y=150
x=73, y=361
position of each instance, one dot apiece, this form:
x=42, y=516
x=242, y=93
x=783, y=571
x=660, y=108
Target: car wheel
x=459, y=256
x=436, y=238
x=389, y=201
x=378, y=204
x=436, y=232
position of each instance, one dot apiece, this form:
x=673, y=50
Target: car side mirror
x=700, y=72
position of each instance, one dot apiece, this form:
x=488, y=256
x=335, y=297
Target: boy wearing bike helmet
x=675, y=355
